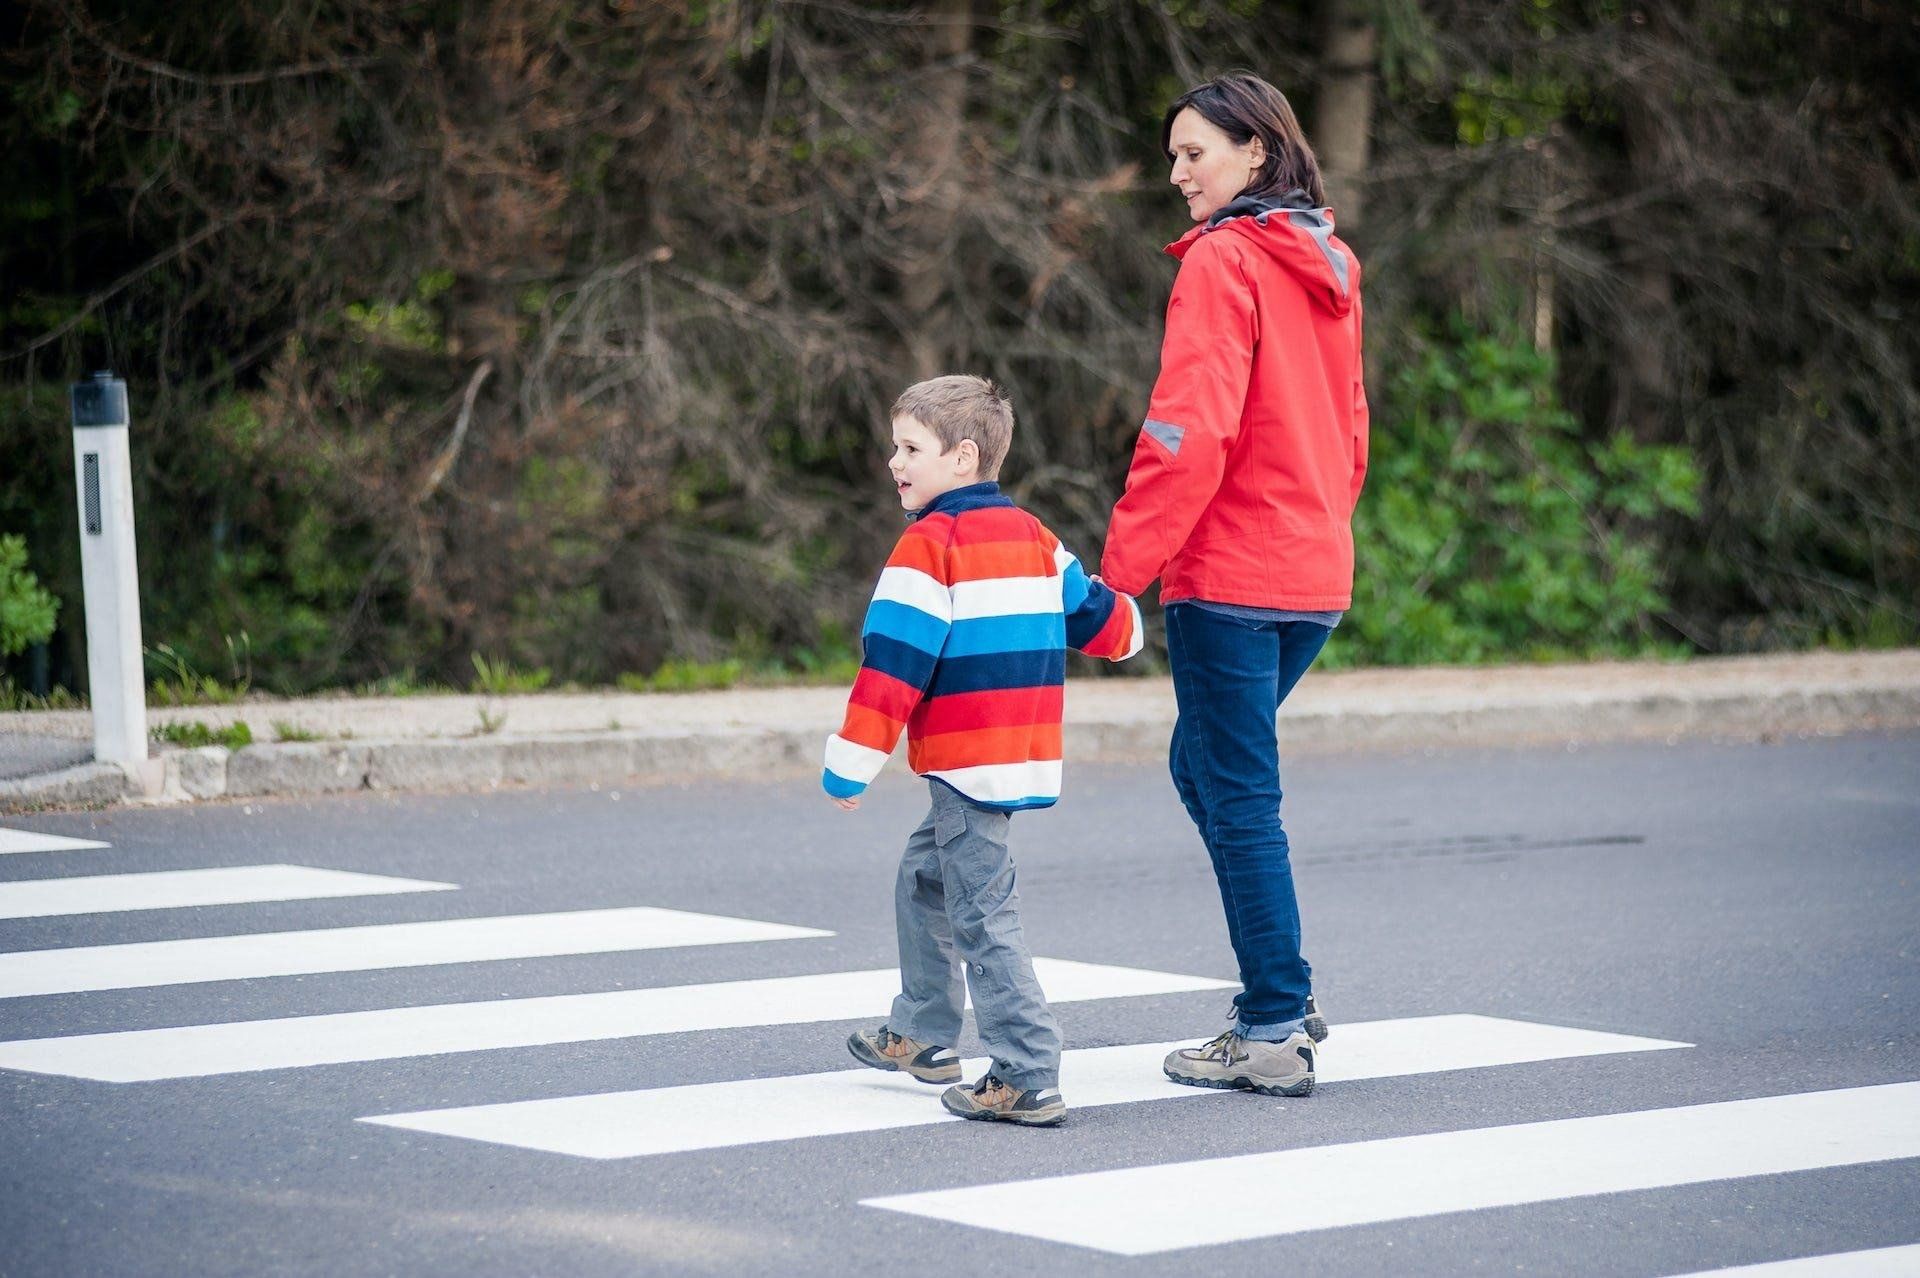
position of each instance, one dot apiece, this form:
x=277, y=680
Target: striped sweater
x=965, y=647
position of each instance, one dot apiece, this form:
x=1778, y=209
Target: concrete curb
x=86, y=786
x=1108, y=722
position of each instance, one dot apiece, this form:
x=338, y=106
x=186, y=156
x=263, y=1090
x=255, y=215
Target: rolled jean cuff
x=1278, y=1032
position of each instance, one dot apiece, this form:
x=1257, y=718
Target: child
x=965, y=647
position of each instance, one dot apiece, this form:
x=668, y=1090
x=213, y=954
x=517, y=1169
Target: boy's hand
x=846, y=805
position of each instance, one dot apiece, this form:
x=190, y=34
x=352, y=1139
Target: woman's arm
x=1193, y=419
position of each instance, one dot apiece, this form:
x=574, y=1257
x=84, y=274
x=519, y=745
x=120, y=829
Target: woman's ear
x=1256, y=152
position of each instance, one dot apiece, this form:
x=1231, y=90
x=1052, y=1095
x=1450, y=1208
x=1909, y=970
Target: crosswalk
x=1129, y=1210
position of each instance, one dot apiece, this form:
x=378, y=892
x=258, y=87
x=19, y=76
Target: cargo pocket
x=949, y=824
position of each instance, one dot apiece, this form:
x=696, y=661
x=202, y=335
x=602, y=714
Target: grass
x=285, y=731
x=192, y=735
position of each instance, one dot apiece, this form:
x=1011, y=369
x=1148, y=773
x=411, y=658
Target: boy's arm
x=1101, y=621
x=906, y=626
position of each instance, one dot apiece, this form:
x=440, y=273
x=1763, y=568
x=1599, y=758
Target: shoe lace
x=988, y=1084
x=1223, y=1048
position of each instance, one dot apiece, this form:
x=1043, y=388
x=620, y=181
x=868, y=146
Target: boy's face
x=921, y=472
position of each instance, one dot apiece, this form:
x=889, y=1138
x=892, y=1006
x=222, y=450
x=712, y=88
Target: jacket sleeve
x=1193, y=419
x=1361, y=421
x=906, y=627
x=1101, y=622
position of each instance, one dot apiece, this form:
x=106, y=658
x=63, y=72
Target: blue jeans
x=1229, y=677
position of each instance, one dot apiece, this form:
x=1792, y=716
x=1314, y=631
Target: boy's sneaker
x=1229, y=1061
x=1316, y=1023
x=883, y=1049
x=992, y=1100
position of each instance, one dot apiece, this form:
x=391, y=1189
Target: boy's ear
x=966, y=457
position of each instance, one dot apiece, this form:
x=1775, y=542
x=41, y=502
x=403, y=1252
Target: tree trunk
x=1643, y=380
x=1343, y=111
x=934, y=190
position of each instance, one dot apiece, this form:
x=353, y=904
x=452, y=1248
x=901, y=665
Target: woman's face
x=1209, y=167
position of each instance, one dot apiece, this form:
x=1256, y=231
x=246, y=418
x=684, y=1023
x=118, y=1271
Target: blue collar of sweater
x=956, y=500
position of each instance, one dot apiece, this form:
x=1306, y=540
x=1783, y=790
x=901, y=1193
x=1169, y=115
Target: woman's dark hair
x=1243, y=106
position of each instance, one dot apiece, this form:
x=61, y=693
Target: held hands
x=845, y=805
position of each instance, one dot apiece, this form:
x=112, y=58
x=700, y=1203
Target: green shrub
x=1491, y=529
x=27, y=609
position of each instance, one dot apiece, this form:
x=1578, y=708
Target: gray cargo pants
x=958, y=912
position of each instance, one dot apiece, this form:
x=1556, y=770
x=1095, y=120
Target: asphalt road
x=1758, y=903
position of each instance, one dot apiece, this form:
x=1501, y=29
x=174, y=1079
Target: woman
x=1240, y=501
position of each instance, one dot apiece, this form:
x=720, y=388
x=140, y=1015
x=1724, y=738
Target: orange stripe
x=916, y=549
x=983, y=746
x=870, y=728
x=984, y=560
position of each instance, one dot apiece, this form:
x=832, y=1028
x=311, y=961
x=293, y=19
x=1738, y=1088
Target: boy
x=965, y=647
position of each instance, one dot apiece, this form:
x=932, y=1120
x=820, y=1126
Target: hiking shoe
x=883, y=1049
x=1316, y=1023
x=992, y=1100
x=1246, y=1064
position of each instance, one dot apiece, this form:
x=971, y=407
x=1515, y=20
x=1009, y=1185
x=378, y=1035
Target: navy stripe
x=1084, y=622
x=999, y=670
x=901, y=660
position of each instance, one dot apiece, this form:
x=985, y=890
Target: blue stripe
x=992, y=671
x=1022, y=632
x=1073, y=585
x=903, y=661
x=838, y=786
x=906, y=623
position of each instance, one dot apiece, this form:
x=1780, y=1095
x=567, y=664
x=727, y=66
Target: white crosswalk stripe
x=241, y=1046
x=671, y=1120
x=33, y=841
x=1139, y=1211
x=386, y=945
x=1881, y=1262
x=1132, y=1211
x=179, y=889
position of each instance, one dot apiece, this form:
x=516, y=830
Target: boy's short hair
x=962, y=406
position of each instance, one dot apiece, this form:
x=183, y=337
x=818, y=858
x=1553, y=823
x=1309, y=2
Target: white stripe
x=915, y=589
x=669, y=1120
x=852, y=760
x=359, y=949
x=1882, y=1262
x=1144, y=1210
x=34, y=841
x=177, y=889
x=1006, y=597
x=193, y=1051
x=1004, y=782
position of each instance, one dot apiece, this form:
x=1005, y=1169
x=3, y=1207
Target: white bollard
x=116, y=674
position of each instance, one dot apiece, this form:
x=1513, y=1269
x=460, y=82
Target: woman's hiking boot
x=883, y=1049
x=1316, y=1024
x=1246, y=1064
x=992, y=1100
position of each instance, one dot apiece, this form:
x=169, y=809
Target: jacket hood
x=1296, y=235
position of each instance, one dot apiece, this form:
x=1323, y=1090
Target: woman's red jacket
x=1247, y=469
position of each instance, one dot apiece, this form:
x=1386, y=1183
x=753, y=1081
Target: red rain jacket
x=1247, y=469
